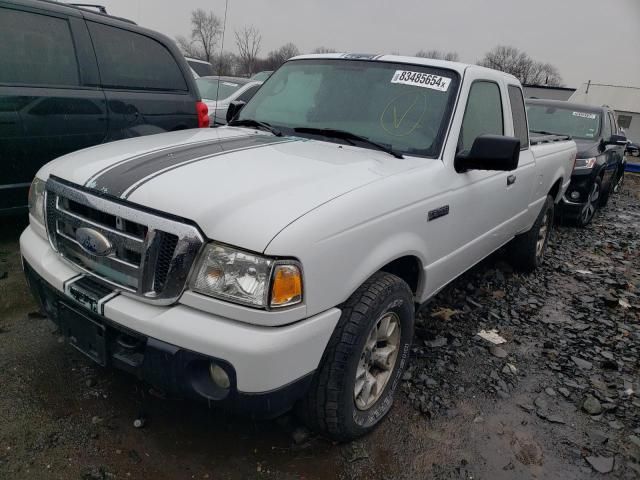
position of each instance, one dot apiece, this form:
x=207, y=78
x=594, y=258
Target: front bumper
x=269, y=367
x=581, y=183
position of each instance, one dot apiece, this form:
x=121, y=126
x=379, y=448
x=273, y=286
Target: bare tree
x=522, y=66
x=439, y=55
x=248, y=42
x=227, y=63
x=281, y=55
x=189, y=48
x=205, y=30
x=324, y=50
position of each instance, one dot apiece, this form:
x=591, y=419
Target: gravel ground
x=560, y=398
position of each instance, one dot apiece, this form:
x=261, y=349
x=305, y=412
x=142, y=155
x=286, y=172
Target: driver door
x=478, y=198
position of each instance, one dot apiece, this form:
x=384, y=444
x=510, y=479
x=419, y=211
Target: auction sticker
x=592, y=116
x=418, y=79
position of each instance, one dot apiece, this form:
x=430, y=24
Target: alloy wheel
x=543, y=235
x=589, y=209
x=377, y=360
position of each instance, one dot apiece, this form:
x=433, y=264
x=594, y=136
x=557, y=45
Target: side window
x=606, y=129
x=519, y=116
x=36, y=50
x=133, y=61
x=614, y=125
x=248, y=93
x=483, y=114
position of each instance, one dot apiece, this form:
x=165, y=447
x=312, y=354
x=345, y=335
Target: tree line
x=206, y=35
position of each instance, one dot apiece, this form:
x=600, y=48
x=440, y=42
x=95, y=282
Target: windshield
x=209, y=88
x=403, y=107
x=564, y=121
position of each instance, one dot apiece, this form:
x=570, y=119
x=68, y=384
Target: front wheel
x=362, y=365
x=619, y=182
x=528, y=249
x=591, y=205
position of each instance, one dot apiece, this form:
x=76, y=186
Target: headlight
x=584, y=163
x=36, y=199
x=242, y=277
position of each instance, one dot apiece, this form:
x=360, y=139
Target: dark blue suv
x=600, y=163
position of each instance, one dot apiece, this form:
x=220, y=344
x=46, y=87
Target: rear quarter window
x=519, y=116
x=129, y=60
x=36, y=50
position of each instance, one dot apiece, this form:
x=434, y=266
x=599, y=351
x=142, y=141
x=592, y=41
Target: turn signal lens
x=286, y=288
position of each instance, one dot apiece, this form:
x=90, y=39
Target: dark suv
x=71, y=78
x=600, y=163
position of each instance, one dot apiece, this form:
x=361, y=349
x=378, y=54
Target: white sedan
x=219, y=92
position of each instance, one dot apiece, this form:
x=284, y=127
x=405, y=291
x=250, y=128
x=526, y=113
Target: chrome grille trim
x=131, y=267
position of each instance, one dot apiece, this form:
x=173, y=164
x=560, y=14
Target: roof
x=565, y=104
x=549, y=87
x=85, y=8
x=239, y=80
x=427, y=62
x=191, y=59
x=620, y=98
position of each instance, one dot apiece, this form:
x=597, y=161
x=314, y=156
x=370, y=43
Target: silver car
x=219, y=92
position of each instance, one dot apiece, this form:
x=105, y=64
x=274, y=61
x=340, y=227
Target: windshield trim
x=448, y=114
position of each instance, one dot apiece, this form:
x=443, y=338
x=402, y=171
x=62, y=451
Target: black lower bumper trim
x=168, y=367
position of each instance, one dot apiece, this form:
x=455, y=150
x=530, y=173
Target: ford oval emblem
x=93, y=242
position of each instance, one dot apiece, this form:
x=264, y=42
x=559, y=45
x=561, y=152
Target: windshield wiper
x=330, y=132
x=544, y=132
x=250, y=122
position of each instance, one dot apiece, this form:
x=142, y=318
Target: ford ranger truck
x=278, y=261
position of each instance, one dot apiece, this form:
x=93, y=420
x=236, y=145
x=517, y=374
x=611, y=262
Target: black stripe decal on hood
x=126, y=176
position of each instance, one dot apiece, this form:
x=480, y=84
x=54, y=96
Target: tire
x=332, y=405
x=606, y=193
x=617, y=188
x=528, y=249
x=591, y=206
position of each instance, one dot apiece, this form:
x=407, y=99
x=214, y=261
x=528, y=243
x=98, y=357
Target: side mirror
x=490, y=152
x=617, y=140
x=234, y=109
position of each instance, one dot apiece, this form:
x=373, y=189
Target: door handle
x=511, y=179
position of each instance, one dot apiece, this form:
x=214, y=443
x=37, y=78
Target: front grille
x=149, y=256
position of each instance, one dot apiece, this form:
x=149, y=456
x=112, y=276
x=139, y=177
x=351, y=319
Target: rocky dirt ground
x=560, y=398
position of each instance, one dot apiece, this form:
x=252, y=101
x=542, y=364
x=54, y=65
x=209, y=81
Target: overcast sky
x=596, y=40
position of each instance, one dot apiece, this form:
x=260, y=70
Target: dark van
x=71, y=78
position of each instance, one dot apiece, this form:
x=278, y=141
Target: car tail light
x=203, y=114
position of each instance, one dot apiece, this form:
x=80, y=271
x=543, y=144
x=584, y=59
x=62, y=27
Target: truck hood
x=588, y=148
x=241, y=186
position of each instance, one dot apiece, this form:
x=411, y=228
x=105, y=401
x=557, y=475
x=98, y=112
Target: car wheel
x=362, y=365
x=591, y=205
x=619, y=182
x=528, y=249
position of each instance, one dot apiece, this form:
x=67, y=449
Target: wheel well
x=555, y=189
x=407, y=268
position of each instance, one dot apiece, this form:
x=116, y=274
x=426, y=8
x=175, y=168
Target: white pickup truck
x=279, y=261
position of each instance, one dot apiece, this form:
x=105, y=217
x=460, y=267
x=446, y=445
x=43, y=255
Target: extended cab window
x=36, y=50
x=483, y=114
x=400, y=106
x=519, y=116
x=133, y=61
